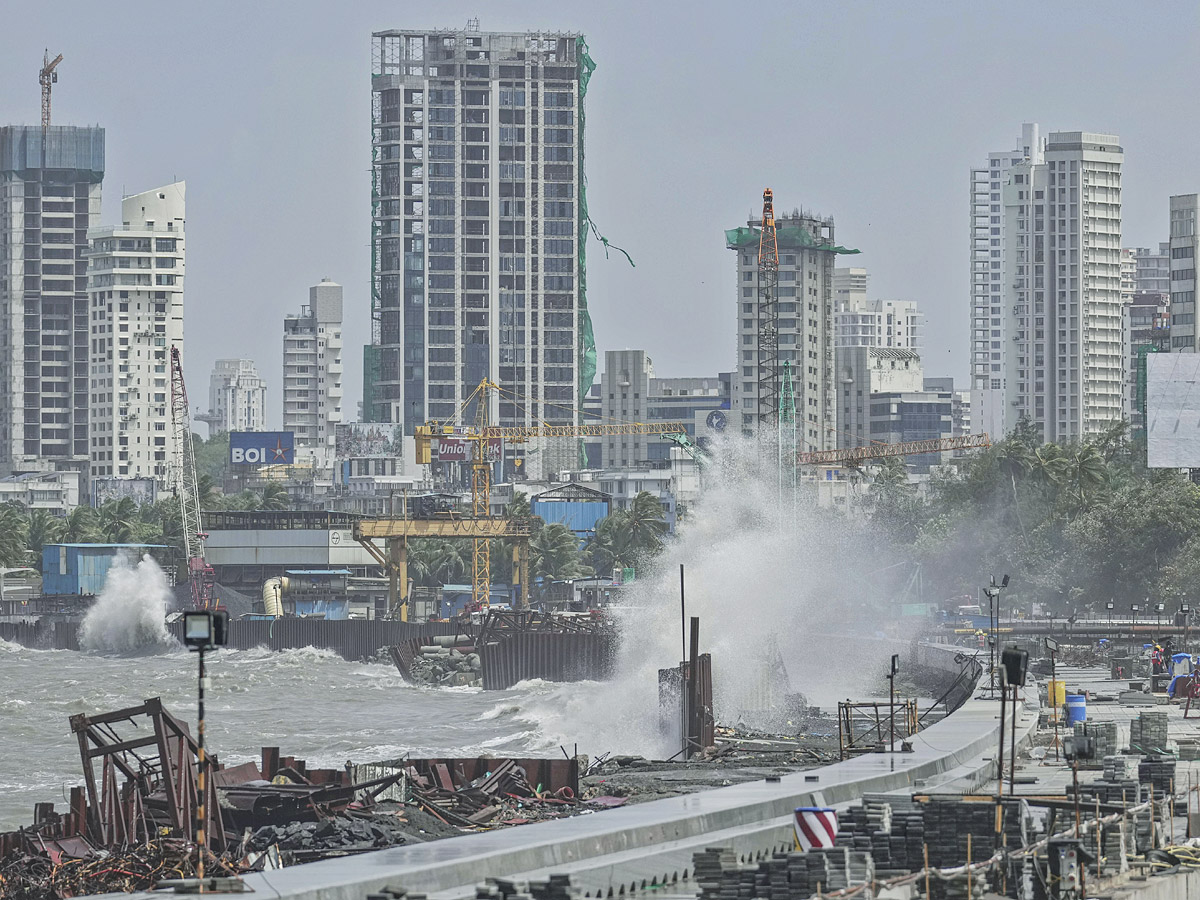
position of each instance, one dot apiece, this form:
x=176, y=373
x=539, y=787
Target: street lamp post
x=993, y=595
x=1134, y=609
x=1187, y=623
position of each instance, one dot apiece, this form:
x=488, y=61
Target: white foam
x=130, y=613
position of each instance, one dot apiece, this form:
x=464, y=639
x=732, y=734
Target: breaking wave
x=130, y=613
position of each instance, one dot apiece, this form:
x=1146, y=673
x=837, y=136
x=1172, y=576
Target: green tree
x=81, y=526
x=611, y=547
x=206, y=489
x=274, y=496
x=212, y=456
x=43, y=528
x=118, y=521
x=554, y=554
x=14, y=536
x=646, y=523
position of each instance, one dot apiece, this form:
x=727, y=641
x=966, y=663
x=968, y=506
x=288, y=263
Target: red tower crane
x=200, y=573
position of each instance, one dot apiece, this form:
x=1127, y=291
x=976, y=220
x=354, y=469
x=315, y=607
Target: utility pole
x=892, y=698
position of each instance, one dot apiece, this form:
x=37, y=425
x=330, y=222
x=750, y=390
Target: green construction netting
x=587, y=340
x=788, y=238
x=370, y=413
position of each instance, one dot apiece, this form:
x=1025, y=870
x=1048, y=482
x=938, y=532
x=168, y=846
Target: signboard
x=140, y=490
x=262, y=448
x=1172, y=410
x=453, y=449
x=360, y=439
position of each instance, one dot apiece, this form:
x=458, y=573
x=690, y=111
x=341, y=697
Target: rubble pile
x=447, y=667
x=138, y=869
x=448, y=661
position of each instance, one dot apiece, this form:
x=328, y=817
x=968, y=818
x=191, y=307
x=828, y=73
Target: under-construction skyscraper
x=802, y=322
x=479, y=221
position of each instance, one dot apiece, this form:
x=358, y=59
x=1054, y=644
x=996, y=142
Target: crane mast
x=768, y=319
x=46, y=77
x=200, y=573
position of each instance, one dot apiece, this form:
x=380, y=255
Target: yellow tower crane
x=484, y=441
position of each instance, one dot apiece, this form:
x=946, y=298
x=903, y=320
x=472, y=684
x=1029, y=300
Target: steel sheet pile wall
x=352, y=639
x=519, y=656
x=44, y=634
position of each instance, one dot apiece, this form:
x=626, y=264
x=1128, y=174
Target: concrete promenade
x=616, y=851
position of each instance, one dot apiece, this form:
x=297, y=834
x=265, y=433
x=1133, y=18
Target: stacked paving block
x=1148, y=732
x=1158, y=771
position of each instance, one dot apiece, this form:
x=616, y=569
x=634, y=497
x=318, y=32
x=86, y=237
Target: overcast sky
x=870, y=112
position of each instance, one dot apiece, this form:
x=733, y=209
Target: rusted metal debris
x=139, y=798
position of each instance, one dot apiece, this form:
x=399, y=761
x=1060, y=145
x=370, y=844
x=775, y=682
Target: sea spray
x=769, y=584
x=130, y=613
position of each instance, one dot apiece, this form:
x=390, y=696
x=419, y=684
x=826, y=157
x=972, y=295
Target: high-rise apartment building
x=878, y=323
x=1047, y=334
x=849, y=285
x=988, y=251
x=625, y=397
x=237, y=398
x=49, y=198
x=1063, y=271
x=807, y=258
x=479, y=225
x=1185, y=242
x=135, y=285
x=312, y=368
x=1152, y=270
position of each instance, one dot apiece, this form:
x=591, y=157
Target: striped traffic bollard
x=815, y=827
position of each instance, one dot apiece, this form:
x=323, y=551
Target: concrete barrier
x=642, y=844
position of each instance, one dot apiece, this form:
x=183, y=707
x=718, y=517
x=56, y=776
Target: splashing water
x=766, y=583
x=130, y=613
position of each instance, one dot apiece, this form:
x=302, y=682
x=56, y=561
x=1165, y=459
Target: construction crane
x=768, y=318
x=484, y=440
x=46, y=77
x=852, y=456
x=200, y=573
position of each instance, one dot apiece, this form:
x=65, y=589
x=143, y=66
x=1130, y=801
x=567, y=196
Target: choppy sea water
x=310, y=703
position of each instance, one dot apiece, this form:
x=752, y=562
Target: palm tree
x=118, y=520
x=207, y=490
x=82, y=526
x=274, y=496
x=43, y=529
x=611, y=547
x=449, y=564
x=14, y=530
x=554, y=554
x=646, y=524
x=1086, y=471
x=1049, y=464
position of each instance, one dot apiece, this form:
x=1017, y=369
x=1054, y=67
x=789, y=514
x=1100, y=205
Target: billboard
x=262, y=448
x=454, y=449
x=140, y=490
x=368, y=439
x=1172, y=410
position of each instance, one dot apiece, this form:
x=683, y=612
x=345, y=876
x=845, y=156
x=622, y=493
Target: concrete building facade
x=1152, y=270
x=312, y=369
x=1047, y=337
x=864, y=372
x=807, y=259
x=237, y=398
x=1185, y=241
x=135, y=286
x=989, y=247
x=625, y=397
x=50, y=183
x=1062, y=216
x=878, y=323
x=912, y=416
x=479, y=227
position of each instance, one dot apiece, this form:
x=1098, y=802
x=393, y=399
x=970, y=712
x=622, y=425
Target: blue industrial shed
x=82, y=569
x=573, y=505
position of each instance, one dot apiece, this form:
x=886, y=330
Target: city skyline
x=647, y=95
